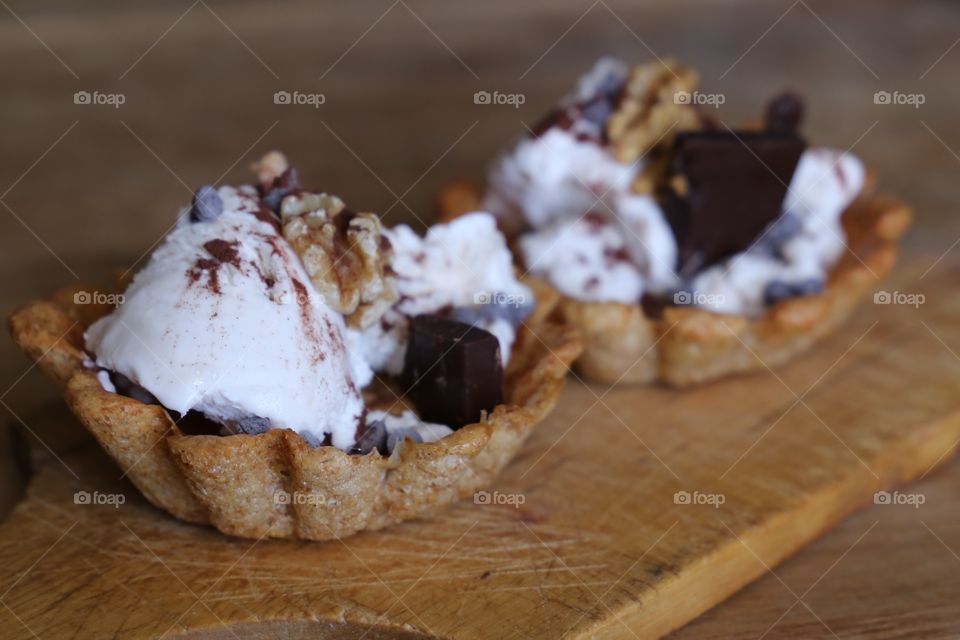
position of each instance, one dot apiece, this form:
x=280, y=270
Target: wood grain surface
x=599, y=548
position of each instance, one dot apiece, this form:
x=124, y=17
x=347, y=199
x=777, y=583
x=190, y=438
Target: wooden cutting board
x=628, y=513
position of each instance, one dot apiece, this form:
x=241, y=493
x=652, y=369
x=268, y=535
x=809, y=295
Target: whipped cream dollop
x=553, y=176
x=614, y=253
x=463, y=266
x=584, y=229
x=588, y=234
x=223, y=320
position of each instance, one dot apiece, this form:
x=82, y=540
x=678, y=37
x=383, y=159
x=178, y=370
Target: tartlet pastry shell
x=233, y=482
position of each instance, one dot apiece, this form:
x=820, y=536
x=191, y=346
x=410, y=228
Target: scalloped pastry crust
x=232, y=482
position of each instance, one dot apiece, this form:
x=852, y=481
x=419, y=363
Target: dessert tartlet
x=285, y=367
x=685, y=250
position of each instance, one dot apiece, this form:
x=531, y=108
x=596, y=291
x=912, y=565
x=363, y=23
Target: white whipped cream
x=585, y=259
x=561, y=187
x=553, y=180
x=824, y=183
x=463, y=263
x=552, y=177
x=613, y=254
x=648, y=237
x=242, y=336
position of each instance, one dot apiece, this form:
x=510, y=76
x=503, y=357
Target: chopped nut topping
x=270, y=167
x=344, y=254
x=650, y=113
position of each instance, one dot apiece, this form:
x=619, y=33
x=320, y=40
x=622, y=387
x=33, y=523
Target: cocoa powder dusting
x=224, y=251
x=221, y=252
x=306, y=317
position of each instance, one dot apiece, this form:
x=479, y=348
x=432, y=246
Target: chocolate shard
x=734, y=186
x=252, y=425
x=453, y=371
x=374, y=436
x=207, y=205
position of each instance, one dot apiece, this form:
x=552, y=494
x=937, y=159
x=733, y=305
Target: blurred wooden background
x=85, y=188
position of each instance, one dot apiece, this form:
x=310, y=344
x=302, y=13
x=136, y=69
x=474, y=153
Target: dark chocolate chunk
x=286, y=183
x=778, y=290
x=784, y=113
x=453, y=371
x=735, y=186
x=207, y=205
x=250, y=425
x=374, y=436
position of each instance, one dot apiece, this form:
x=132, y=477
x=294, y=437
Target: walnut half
x=650, y=113
x=344, y=253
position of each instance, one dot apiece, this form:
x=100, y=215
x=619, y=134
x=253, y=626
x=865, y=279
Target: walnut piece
x=270, y=167
x=652, y=110
x=344, y=254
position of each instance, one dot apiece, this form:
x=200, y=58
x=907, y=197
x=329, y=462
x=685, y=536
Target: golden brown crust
x=690, y=345
x=274, y=484
x=136, y=436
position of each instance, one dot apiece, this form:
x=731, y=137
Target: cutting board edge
x=929, y=448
